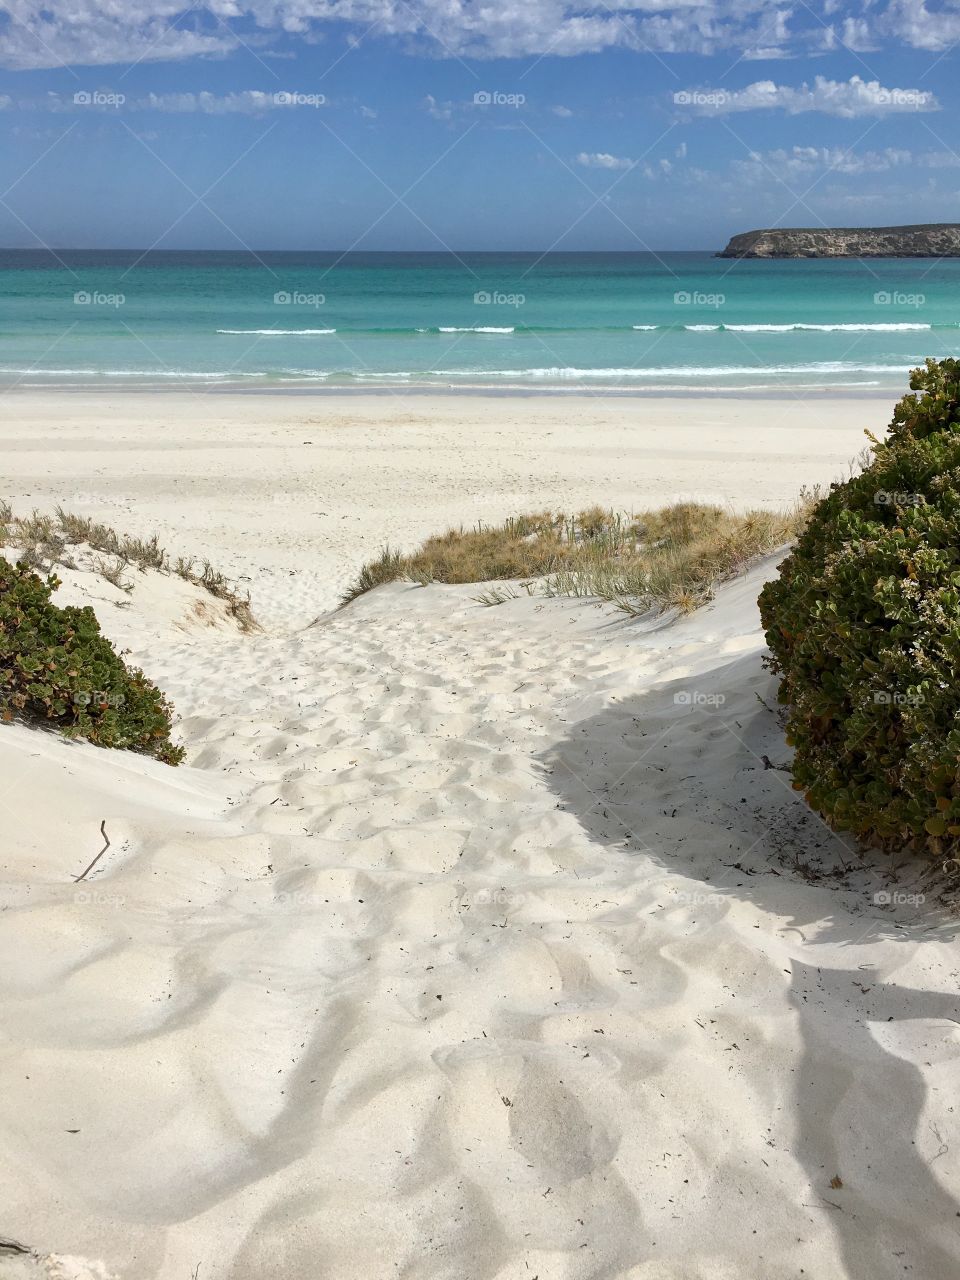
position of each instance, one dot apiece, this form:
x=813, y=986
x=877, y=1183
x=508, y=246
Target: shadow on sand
x=678, y=774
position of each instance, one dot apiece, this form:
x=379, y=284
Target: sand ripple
x=464, y=950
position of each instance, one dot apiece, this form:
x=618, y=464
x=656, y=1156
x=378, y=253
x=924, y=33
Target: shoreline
x=592, y=391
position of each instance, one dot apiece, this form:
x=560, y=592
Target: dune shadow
x=694, y=774
x=690, y=776
x=864, y=1118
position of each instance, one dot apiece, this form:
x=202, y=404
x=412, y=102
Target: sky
x=451, y=124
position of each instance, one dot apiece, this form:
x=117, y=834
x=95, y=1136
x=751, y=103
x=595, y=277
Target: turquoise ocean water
x=638, y=321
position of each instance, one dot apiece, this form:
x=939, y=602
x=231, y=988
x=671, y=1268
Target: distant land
x=933, y=240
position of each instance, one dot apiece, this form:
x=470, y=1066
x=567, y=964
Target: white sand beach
x=307, y=488
x=467, y=943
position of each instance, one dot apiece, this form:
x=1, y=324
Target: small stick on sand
x=12, y=1246
x=103, y=832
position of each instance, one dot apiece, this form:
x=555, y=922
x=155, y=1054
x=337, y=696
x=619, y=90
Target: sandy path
x=464, y=950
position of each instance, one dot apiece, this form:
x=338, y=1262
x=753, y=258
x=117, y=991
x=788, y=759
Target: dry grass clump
x=45, y=541
x=671, y=558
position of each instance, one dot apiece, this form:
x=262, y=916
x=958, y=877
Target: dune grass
x=45, y=541
x=672, y=558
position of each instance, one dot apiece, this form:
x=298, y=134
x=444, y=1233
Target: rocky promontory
x=933, y=240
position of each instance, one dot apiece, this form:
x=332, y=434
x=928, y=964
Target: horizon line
x=445, y=253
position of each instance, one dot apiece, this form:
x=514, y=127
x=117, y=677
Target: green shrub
x=864, y=628
x=56, y=666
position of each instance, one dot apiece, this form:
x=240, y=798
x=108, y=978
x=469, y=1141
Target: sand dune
x=295, y=493
x=468, y=944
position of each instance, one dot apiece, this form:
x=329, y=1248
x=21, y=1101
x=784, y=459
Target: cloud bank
x=48, y=33
x=847, y=98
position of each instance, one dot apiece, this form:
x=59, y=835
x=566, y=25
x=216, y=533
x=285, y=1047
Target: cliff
x=933, y=240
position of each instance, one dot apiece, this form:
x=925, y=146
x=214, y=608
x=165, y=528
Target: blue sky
x=427, y=124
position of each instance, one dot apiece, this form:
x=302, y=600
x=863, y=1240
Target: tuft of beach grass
x=672, y=558
x=45, y=541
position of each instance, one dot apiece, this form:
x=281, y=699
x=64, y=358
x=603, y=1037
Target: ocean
x=505, y=321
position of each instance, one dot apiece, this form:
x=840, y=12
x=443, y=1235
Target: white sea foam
x=827, y=328
x=277, y=333
x=718, y=371
x=179, y=373
x=182, y=374
x=480, y=328
x=556, y=373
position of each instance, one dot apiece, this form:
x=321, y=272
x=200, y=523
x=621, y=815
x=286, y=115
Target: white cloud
x=85, y=33
x=563, y=112
x=798, y=162
x=106, y=98
x=764, y=53
x=49, y=33
x=857, y=35
x=247, y=102
x=439, y=110
x=911, y=22
x=939, y=160
x=654, y=170
x=603, y=160
x=853, y=97
x=801, y=162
